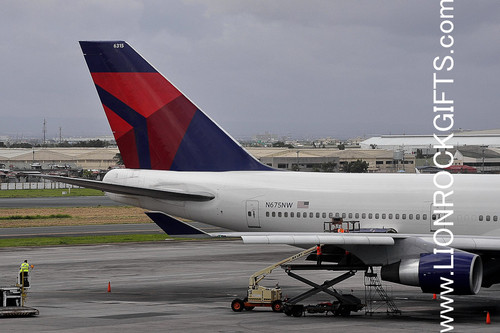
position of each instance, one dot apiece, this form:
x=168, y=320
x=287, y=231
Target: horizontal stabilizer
x=132, y=190
x=174, y=227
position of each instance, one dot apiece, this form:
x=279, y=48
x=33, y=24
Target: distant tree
x=63, y=144
x=87, y=174
x=373, y=146
x=118, y=159
x=282, y=144
x=21, y=145
x=358, y=166
x=328, y=167
x=419, y=154
x=87, y=144
x=341, y=146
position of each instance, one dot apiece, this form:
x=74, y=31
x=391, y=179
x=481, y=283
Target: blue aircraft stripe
x=114, y=57
x=137, y=121
x=205, y=147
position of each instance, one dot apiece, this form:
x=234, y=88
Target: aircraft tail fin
x=154, y=124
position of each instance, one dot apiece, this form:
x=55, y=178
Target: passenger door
x=252, y=213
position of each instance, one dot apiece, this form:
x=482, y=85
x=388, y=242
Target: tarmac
x=188, y=286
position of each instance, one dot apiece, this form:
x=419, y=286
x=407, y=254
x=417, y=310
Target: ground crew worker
x=23, y=273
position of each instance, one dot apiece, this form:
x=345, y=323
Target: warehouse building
x=315, y=159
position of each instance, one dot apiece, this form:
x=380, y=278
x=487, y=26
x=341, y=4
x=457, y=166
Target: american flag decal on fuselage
x=302, y=204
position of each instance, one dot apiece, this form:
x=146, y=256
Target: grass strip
x=74, y=192
x=81, y=240
x=35, y=217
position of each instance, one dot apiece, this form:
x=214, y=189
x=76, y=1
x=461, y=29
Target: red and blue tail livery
x=155, y=126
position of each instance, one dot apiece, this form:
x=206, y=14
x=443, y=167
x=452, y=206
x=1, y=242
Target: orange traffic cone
x=488, y=319
x=109, y=287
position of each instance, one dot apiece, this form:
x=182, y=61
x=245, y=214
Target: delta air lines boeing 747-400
x=180, y=163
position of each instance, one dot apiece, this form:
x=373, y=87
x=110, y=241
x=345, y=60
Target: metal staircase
x=376, y=297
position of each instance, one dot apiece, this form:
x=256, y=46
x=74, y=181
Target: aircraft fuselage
x=274, y=201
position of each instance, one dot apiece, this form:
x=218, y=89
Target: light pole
x=483, y=148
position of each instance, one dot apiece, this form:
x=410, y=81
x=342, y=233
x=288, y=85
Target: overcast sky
x=294, y=68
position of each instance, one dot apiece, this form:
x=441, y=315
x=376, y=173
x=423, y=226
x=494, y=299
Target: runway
x=188, y=287
x=94, y=230
x=80, y=230
x=88, y=201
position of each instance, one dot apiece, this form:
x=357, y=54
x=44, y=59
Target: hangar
x=410, y=143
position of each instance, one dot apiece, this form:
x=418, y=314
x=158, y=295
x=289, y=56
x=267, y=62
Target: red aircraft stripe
x=166, y=129
x=143, y=92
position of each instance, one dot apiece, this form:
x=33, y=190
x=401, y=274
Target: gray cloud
x=301, y=68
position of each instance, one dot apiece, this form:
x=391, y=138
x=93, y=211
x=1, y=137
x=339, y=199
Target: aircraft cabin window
x=417, y=217
x=324, y=215
x=292, y=214
x=250, y=214
x=480, y=217
x=487, y=218
x=383, y=216
x=396, y=216
x=311, y=215
x=410, y=216
x=424, y=217
x=403, y=216
x=285, y=214
x=363, y=215
x=390, y=216
x=495, y=218
x=370, y=216
x=330, y=215
x=344, y=215
x=337, y=214
x=434, y=217
x=317, y=215
x=298, y=215
x=267, y=214
x=273, y=214
x=279, y=214
x=350, y=215
x=376, y=216
x=356, y=216
x=304, y=214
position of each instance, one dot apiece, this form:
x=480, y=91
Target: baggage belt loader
x=258, y=295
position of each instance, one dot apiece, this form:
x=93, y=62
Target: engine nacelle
x=466, y=274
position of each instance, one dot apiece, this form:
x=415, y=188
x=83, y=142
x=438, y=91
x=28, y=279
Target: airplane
x=182, y=164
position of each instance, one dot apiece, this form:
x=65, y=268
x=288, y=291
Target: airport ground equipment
x=258, y=295
x=12, y=301
x=345, y=304
x=373, y=287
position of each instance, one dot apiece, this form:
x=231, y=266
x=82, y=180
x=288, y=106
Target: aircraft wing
x=165, y=194
x=462, y=242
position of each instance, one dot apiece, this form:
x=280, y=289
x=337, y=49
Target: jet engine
x=430, y=271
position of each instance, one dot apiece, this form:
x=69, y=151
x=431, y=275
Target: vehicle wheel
x=287, y=309
x=237, y=305
x=277, y=306
x=345, y=312
x=297, y=311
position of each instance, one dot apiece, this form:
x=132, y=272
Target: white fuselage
x=275, y=201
